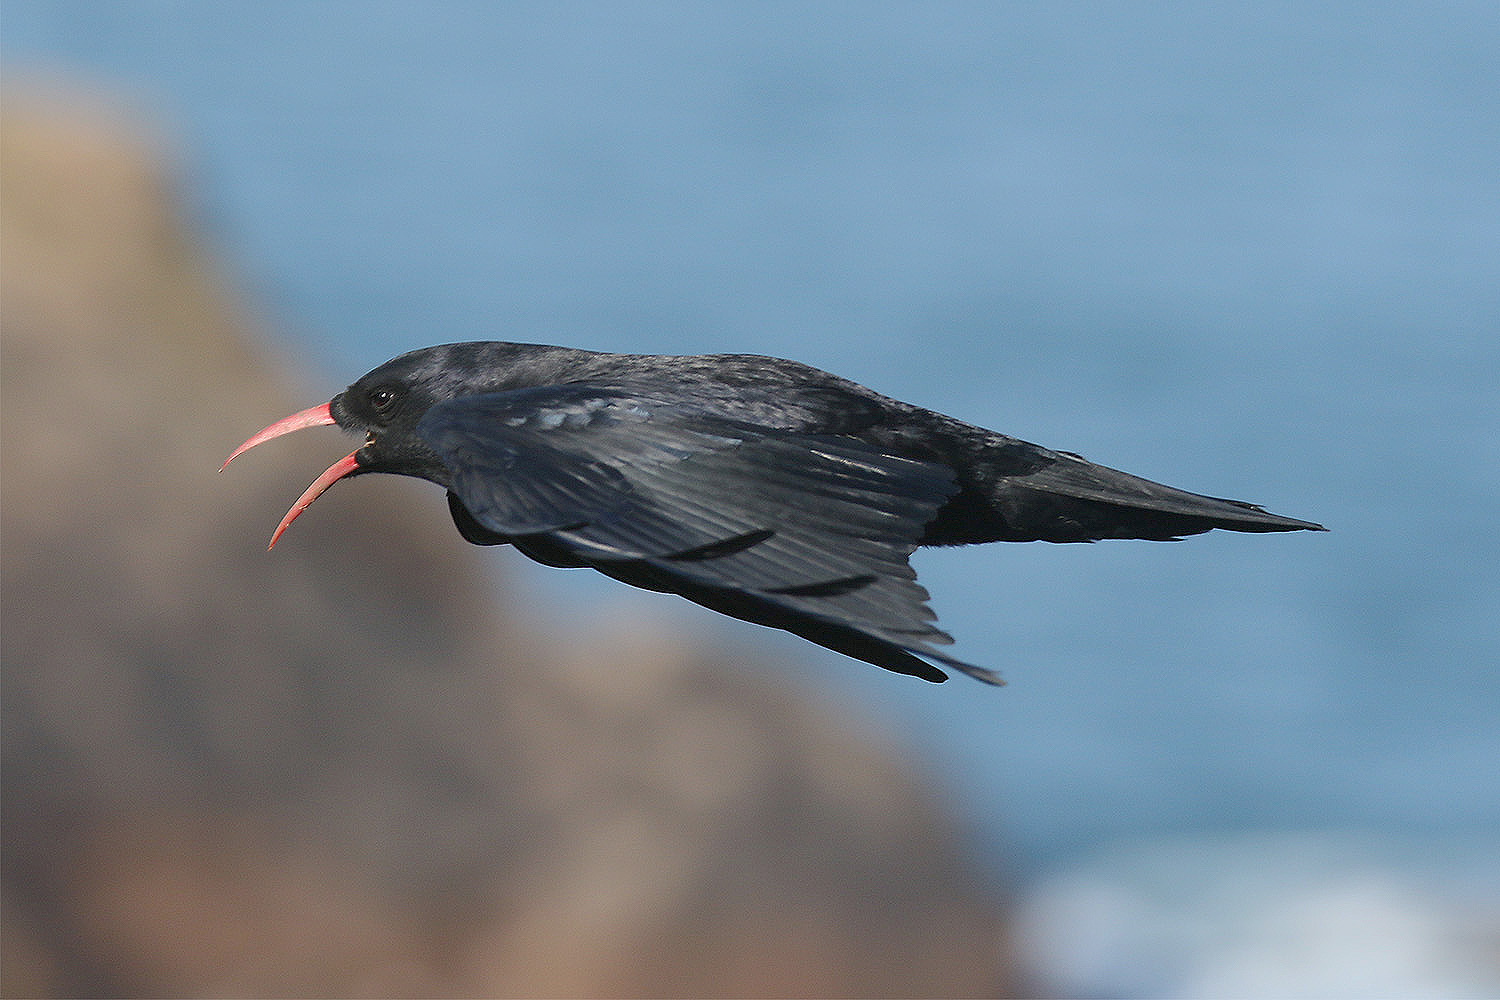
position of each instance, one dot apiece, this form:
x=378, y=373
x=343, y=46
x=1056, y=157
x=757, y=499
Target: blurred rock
x=341, y=769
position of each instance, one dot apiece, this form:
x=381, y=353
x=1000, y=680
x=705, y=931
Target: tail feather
x=1089, y=501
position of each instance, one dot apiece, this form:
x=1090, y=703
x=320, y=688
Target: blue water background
x=1251, y=250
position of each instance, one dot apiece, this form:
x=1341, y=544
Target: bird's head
x=385, y=406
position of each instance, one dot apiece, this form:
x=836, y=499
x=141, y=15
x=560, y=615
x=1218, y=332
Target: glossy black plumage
x=761, y=488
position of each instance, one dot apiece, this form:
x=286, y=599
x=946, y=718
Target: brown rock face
x=341, y=769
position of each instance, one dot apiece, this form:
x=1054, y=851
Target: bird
x=760, y=488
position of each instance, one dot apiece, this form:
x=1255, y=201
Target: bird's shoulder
x=749, y=388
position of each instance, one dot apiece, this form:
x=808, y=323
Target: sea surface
x=1250, y=250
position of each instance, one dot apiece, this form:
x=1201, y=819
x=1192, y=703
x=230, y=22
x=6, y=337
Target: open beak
x=314, y=416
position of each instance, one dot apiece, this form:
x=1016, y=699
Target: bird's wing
x=809, y=533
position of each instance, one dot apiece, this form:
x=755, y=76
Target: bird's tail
x=1073, y=499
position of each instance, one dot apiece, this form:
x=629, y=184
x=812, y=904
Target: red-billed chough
x=761, y=488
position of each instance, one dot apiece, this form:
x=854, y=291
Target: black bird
x=763, y=489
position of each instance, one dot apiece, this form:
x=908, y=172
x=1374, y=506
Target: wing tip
x=982, y=674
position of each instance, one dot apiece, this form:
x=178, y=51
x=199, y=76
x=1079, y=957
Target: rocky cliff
x=343, y=769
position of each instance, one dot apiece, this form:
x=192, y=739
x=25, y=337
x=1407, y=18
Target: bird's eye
x=382, y=399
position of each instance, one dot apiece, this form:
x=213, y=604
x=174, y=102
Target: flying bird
x=760, y=488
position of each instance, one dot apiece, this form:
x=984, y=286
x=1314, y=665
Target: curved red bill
x=313, y=416
x=338, y=470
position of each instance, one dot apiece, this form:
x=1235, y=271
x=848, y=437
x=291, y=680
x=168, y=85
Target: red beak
x=314, y=416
